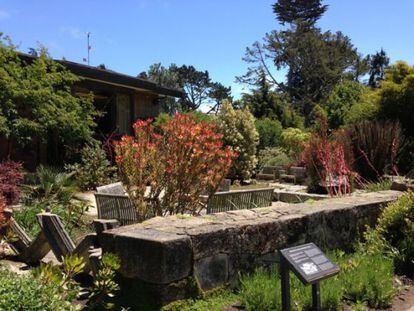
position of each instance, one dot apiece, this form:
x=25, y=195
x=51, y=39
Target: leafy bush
x=269, y=132
x=216, y=300
x=182, y=162
x=29, y=293
x=11, y=176
x=375, y=146
x=364, y=278
x=368, y=278
x=262, y=291
x=104, y=286
x=396, y=226
x=36, y=101
x=342, y=98
x=239, y=132
x=94, y=169
x=273, y=157
x=293, y=141
x=50, y=189
x=381, y=185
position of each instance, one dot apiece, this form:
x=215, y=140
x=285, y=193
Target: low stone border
x=172, y=256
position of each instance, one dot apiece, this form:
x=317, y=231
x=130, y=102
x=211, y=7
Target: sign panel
x=309, y=263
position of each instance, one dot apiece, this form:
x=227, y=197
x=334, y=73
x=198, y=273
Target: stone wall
x=173, y=256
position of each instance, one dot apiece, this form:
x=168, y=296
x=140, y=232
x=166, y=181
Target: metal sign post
x=310, y=265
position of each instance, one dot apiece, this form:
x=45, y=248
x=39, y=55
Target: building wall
x=145, y=106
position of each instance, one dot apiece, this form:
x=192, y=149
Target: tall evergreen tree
x=291, y=11
x=378, y=63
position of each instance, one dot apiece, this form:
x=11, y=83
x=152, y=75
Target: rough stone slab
x=150, y=255
x=296, y=197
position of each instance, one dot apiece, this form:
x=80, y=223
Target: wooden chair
x=116, y=206
x=267, y=173
x=115, y=188
x=27, y=250
x=296, y=175
x=242, y=199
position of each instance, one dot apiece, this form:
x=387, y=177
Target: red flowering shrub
x=182, y=161
x=327, y=162
x=11, y=176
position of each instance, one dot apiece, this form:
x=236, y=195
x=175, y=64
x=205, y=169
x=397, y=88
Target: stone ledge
x=215, y=248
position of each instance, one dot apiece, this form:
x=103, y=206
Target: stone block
x=149, y=255
x=212, y=271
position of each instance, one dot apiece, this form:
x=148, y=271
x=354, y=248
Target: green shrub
x=215, y=300
x=368, y=278
x=262, y=291
x=94, y=169
x=381, y=185
x=29, y=293
x=273, y=157
x=293, y=141
x=239, y=132
x=364, y=278
x=396, y=226
x=269, y=132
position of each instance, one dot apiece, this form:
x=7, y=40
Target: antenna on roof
x=88, y=47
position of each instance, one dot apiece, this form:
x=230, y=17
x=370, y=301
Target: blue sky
x=129, y=35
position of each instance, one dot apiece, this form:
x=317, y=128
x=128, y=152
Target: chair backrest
x=115, y=206
x=298, y=172
x=56, y=235
x=242, y=199
x=115, y=188
x=268, y=170
x=224, y=186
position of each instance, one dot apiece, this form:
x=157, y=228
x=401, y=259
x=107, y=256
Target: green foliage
x=239, y=132
x=396, y=226
x=381, y=185
x=104, y=286
x=366, y=109
x=368, y=278
x=375, y=147
x=292, y=11
x=273, y=157
x=293, y=141
x=378, y=62
x=43, y=87
x=269, y=132
x=30, y=293
x=364, y=278
x=308, y=54
x=396, y=96
x=197, y=115
x=50, y=189
x=341, y=99
x=264, y=102
x=94, y=169
x=217, y=300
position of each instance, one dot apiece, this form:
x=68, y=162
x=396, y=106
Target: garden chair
x=116, y=206
x=27, y=250
x=115, y=188
x=269, y=173
x=112, y=202
x=59, y=240
x=242, y=199
x=296, y=175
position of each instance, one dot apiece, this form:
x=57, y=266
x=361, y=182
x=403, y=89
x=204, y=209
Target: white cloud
x=74, y=32
x=4, y=15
